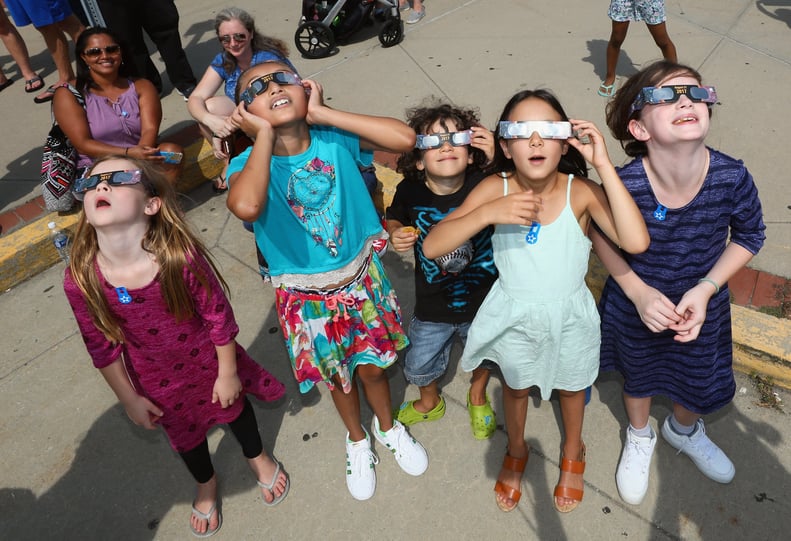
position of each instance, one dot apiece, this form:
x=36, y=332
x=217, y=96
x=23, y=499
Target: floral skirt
x=329, y=332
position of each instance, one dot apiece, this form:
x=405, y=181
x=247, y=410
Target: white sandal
x=271, y=486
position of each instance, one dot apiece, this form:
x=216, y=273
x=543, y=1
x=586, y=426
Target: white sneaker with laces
x=633, y=469
x=360, y=472
x=409, y=454
x=709, y=458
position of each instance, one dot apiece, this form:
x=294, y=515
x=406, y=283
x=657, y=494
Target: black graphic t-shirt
x=448, y=289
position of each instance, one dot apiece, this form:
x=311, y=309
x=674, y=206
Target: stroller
x=325, y=22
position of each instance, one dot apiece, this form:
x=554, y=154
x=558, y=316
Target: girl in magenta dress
x=156, y=322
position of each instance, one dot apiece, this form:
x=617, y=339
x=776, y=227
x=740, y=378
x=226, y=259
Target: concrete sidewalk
x=77, y=469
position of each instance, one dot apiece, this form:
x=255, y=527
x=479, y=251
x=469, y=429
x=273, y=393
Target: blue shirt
x=231, y=79
x=318, y=214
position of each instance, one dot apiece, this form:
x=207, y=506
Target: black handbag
x=59, y=165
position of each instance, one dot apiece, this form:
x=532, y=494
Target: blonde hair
x=169, y=238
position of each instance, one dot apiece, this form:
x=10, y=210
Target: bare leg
x=348, y=406
x=16, y=46
x=377, y=391
x=429, y=398
x=572, y=409
x=515, y=403
x=663, y=41
x=172, y=171
x=59, y=49
x=478, y=382
x=617, y=37
x=637, y=409
x=72, y=26
x=207, y=496
x=684, y=416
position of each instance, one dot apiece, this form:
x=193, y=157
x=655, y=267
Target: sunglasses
x=93, y=52
x=113, y=178
x=237, y=37
x=258, y=86
x=526, y=128
x=436, y=140
x=657, y=95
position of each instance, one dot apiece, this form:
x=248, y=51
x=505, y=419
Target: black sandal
x=34, y=85
x=219, y=185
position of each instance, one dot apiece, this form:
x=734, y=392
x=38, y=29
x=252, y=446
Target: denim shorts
x=650, y=11
x=429, y=351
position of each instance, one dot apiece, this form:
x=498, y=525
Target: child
x=438, y=174
x=301, y=187
x=157, y=324
x=704, y=217
x=539, y=321
x=623, y=11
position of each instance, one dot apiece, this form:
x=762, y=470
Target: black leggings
x=244, y=428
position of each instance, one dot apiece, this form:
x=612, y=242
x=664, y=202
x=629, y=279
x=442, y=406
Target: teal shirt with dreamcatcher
x=319, y=214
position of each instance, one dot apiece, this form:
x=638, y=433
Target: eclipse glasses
x=259, y=85
x=526, y=128
x=436, y=140
x=657, y=95
x=113, y=178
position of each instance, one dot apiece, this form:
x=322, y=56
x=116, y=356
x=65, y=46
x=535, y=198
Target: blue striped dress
x=684, y=247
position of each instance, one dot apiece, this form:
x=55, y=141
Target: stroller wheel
x=392, y=33
x=314, y=40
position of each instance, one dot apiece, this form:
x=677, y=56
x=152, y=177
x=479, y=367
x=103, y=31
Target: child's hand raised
x=251, y=124
x=226, y=390
x=403, y=238
x=315, y=101
x=483, y=139
x=517, y=208
x=595, y=150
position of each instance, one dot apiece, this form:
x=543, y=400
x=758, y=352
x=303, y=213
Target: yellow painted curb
x=762, y=343
x=28, y=251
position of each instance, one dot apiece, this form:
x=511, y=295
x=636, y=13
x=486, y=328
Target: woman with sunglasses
x=666, y=320
x=156, y=322
x=121, y=114
x=242, y=47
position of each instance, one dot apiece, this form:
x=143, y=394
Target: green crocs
x=408, y=415
x=482, y=419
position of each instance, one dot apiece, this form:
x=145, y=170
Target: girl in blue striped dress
x=666, y=323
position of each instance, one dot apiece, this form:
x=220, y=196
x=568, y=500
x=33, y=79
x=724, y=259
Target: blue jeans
x=429, y=351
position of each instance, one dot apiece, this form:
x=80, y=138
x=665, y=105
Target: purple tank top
x=114, y=123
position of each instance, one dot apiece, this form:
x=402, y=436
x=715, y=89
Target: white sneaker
x=360, y=473
x=633, y=469
x=409, y=454
x=709, y=458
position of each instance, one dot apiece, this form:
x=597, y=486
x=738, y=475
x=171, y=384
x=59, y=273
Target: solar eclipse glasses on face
x=238, y=37
x=95, y=52
x=526, y=128
x=259, y=85
x=657, y=95
x=436, y=140
x=113, y=178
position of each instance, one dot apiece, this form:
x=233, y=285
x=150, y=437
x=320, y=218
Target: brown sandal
x=570, y=466
x=515, y=465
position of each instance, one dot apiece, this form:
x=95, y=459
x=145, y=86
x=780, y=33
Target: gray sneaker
x=709, y=458
x=632, y=474
x=414, y=16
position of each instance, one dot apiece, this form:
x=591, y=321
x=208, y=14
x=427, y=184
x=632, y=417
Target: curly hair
x=421, y=119
x=259, y=41
x=572, y=162
x=618, y=112
x=169, y=238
